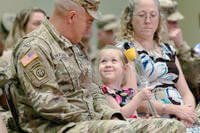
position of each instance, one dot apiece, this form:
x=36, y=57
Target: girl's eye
x=114, y=60
x=102, y=61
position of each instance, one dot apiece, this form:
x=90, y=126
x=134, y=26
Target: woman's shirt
x=161, y=72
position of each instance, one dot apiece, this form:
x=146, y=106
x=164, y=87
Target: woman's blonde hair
x=127, y=29
x=19, y=25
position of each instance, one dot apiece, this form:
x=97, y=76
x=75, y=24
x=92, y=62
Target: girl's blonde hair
x=127, y=29
x=111, y=47
x=19, y=25
x=121, y=55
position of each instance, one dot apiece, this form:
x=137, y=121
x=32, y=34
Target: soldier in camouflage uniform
x=56, y=92
x=4, y=114
x=107, y=28
x=189, y=63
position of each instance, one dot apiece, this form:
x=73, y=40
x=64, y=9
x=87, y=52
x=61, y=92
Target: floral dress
x=161, y=72
x=122, y=96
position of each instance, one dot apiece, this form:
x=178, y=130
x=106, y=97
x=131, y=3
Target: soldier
x=189, y=63
x=107, y=28
x=56, y=92
x=6, y=23
x=4, y=114
x=197, y=49
x=25, y=21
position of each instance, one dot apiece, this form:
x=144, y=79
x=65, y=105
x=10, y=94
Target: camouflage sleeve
x=101, y=105
x=40, y=89
x=184, y=52
x=4, y=74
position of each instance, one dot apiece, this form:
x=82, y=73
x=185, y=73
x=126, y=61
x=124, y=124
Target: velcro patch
x=28, y=58
x=37, y=72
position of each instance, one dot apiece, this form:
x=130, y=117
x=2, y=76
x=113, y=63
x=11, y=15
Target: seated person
x=114, y=68
x=143, y=28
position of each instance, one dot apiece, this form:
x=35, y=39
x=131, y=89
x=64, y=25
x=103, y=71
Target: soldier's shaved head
x=66, y=5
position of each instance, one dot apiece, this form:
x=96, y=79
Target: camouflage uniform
x=5, y=114
x=157, y=125
x=56, y=92
x=109, y=22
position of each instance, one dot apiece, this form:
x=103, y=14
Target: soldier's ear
x=71, y=16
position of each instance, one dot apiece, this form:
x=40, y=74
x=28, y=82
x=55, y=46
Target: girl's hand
x=145, y=94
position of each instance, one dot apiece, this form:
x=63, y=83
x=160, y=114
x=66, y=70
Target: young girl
x=114, y=69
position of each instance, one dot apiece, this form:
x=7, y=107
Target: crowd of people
x=60, y=86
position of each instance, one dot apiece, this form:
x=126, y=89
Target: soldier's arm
x=184, y=52
x=101, y=106
x=36, y=74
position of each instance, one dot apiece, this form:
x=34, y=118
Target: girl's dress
x=122, y=96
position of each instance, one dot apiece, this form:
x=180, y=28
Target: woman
x=143, y=26
x=26, y=21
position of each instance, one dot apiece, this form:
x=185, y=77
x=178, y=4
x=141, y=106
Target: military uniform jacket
x=56, y=83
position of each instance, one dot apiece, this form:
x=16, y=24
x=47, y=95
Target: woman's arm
x=183, y=88
x=182, y=112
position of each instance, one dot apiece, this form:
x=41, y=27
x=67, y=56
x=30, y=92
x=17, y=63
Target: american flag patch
x=28, y=58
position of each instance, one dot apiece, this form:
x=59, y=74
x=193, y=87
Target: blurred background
x=189, y=8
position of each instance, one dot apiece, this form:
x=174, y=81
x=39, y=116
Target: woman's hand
x=187, y=114
x=186, y=123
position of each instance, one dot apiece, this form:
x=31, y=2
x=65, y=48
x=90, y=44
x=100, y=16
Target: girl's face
x=111, y=67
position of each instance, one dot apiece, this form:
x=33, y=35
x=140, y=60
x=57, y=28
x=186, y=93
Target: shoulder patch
x=35, y=69
x=37, y=72
x=28, y=58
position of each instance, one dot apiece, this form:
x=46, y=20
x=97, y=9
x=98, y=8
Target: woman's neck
x=146, y=43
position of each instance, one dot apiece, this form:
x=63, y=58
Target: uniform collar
x=64, y=42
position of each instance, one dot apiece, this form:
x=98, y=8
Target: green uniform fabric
x=4, y=75
x=157, y=125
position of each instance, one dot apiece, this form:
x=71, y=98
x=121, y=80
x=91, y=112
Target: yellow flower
x=131, y=54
